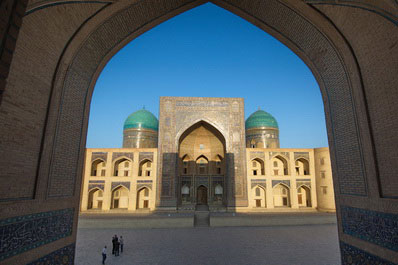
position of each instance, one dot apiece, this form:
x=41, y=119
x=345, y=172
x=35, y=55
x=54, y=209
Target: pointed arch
x=95, y=196
x=120, y=197
x=259, y=196
x=98, y=167
x=280, y=165
x=122, y=166
x=281, y=195
x=257, y=166
x=302, y=166
x=143, y=197
x=145, y=167
x=304, y=196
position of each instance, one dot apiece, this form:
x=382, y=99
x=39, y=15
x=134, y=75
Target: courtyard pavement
x=272, y=245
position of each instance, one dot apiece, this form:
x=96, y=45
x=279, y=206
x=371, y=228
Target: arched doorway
x=143, y=198
x=281, y=194
x=332, y=47
x=201, y=164
x=95, y=199
x=120, y=198
x=304, y=196
x=259, y=197
x=201, y=195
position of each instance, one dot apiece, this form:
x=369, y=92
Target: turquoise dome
x=141, y=119
x=260, y=119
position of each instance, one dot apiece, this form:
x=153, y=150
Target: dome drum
x=140, y=130
x=262, y=130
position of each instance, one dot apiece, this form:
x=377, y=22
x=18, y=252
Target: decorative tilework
x=276, y=182
x=140, y=186
x=375, y=227
x=95, y=185
x=120, y=183
x=100, y=155
x=129, y=155
x=305, y=155
x=306, y=182
x=65, y=256
x=22, y=233
x=284, y=154
x=260, y=155
x=146, y=155
x=144, y=181
x=354, y=256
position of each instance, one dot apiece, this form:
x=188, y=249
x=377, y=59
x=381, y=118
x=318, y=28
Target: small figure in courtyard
x=121, y=244
x=117, y=248
x=103, y=255
x=114, y=240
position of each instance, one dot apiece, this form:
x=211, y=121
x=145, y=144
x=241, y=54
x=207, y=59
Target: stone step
x=202, y=219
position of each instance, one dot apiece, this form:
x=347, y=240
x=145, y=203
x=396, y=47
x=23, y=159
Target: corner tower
x=140, y=130
x=262, y=130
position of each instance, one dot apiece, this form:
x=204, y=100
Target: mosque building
x=201, y=151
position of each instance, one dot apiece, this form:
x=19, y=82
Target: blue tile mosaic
x=375, y=227
x=64, y=256
x=354, y=256
x=22, y=233
x=276, y=182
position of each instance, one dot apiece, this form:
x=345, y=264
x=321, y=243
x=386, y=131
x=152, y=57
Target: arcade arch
x=122, y=167
x=120, y=198
x=95, y=199
x=281, y=195
x=98, y=167
x=333, y=51
x=201, y=152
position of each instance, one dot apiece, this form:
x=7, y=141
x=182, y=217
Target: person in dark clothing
x=117, y=248
x=113, y=244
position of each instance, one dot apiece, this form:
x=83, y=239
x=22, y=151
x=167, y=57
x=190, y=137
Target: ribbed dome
x=260, y=119
x=141, y=119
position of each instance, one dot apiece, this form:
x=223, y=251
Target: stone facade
x=200, y=152
x=47, y=79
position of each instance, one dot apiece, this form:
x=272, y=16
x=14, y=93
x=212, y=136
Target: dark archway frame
x=306, y=32
x=328, y=56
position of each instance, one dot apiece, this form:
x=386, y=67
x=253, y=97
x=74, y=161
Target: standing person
x=103, y=255
x=113, y=244
x=121, y=244
x=117, y=248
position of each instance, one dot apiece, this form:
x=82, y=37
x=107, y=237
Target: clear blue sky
x=208, y=52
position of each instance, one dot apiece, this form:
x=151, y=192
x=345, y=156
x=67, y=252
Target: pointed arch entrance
x=201, y=147
x=338, y=54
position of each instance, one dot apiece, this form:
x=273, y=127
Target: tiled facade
x=274, y=179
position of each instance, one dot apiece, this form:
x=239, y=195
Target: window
x=254, y=172
x=275, y=163
x=257, y=191
x=324, y=190
x=148, y=173
x=94, y=172
x=126, y=173
x=103, y=172
x=126, y=164
x=323, y=174
x=254, y=164
x=276, y=172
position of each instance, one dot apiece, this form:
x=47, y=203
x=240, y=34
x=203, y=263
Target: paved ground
x=271, y=245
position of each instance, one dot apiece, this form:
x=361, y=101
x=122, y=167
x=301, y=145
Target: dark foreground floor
x=273, y=245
